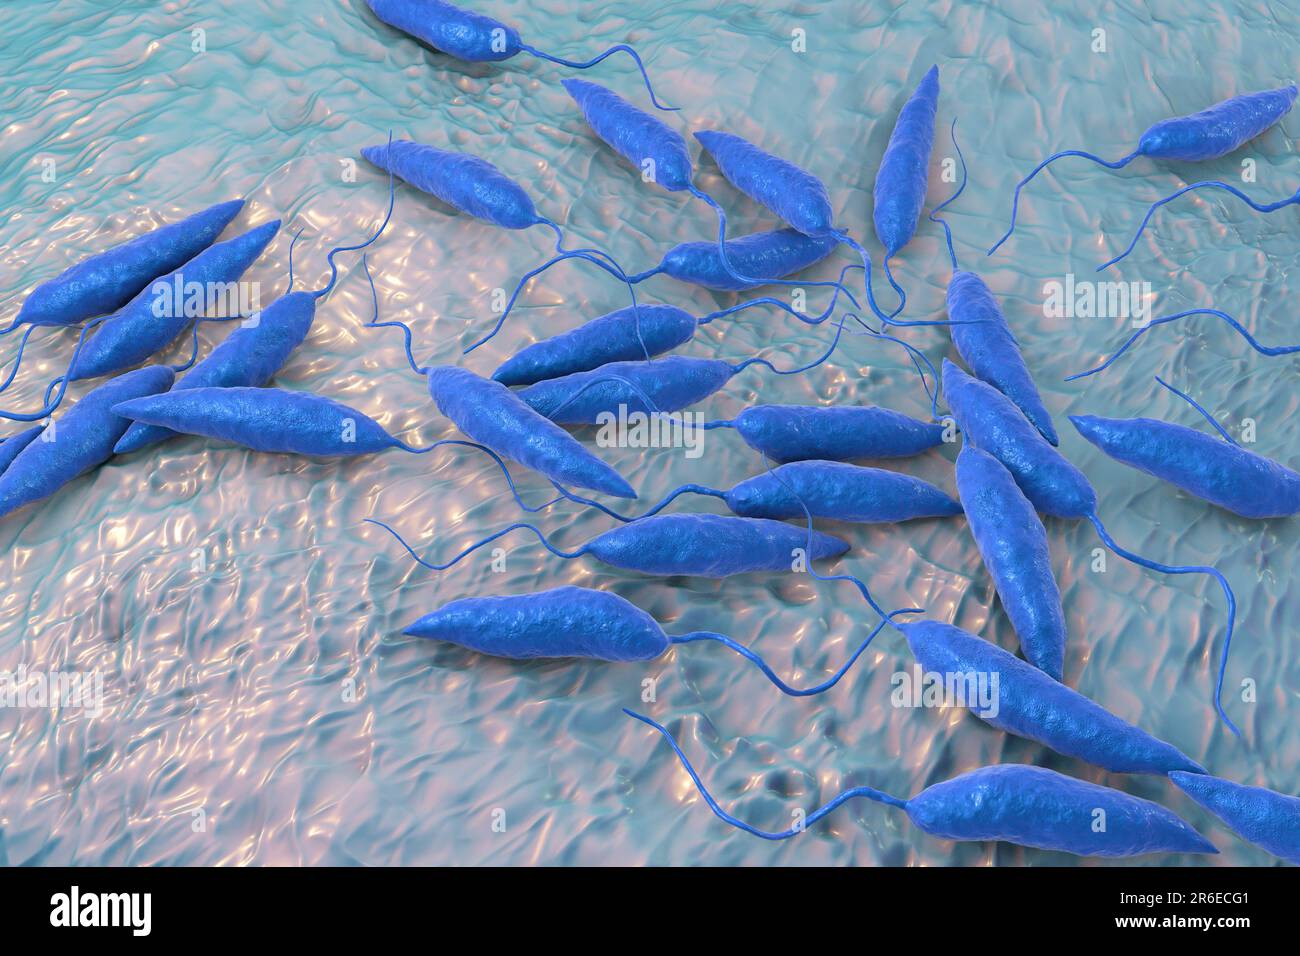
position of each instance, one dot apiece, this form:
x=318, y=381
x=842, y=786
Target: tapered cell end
x=228, y=210
x=708, y=138
x=573, y=87
x=611, y=483
x=376, y=156
x=951, y=508
x=139, y=436
x=1086, y=425
x=132, y=408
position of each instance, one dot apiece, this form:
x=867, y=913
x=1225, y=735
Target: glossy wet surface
x=260, y=704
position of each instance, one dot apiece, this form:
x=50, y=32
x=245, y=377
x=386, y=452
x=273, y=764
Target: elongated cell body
x=1013, y=543
x=14, y=444
x=904, y=173
x=787, y=433
x=490, y=413
x=989, y=347
x=109, y=280
x=477, y=188
x=1014, y=803
x=794, y=194
x=990, y=421
x=1034, y=806
x=249, y=356
x=1209, y=134
x=839, y=491
x=146, y=325
x=573, y=622
x=83, y=439
x=476, y=38
x=1219, y=472
x=265, y=419
x=1029, y=703
x=564, y=622
x=903, y=176
x=671, y=383
x=1264, y=817
x=774, y=254
x=711, y=546
x=628, y=334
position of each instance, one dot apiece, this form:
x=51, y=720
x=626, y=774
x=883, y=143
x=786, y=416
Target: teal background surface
x=261, y=705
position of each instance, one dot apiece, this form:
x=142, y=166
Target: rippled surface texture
x=234, y=601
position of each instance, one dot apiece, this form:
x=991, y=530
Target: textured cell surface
x=904, y=174
x=794, y=194
x=110, y=279
x=13, y=444
x=989, y=421
x=1219, y=129
x=1013, y=543
x=1205, y=465
x=470, y=184
x=562, y=622
x=1028, y=703
x=492, y=415
x=774, y=254
x=263, y=419
x=654, y=149
x=1034, y=806
x=79, y=440
x=249, y=356
x=450, y=29
x=989, y=347
x=671, y=384
x=622, y=336
x=832, y=489
x=712, y=546
x=204, y=710
x=1262, y=816
x=149, y=323
x=834, y=433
